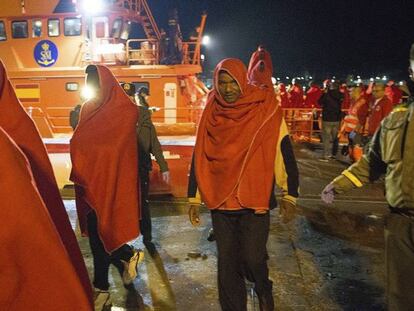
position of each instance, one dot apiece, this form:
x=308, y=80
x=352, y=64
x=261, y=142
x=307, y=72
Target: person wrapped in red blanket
x=36, y=270
x=20, y=127
x=242, y=150
x=105, y=172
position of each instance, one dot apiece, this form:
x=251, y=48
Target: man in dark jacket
x=331, y=118
x=148, y=144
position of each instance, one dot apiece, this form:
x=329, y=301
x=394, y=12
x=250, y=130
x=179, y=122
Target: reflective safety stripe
x=352, y=178
x=400, y=109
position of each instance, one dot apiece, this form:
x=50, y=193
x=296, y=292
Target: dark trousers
x=145, y=222
x=399, y=255
x=329, y=138
x=102, y=259
x=241, y=245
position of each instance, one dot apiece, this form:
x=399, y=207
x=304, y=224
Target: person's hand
x=328, y=194
x=287, y=211
x=166, y=177
x=352, y=135
x=194, y=214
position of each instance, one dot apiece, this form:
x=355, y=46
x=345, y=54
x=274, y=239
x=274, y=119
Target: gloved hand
x=166, y=177
x=287, y=211
x=352, y=135
x=328, y=194
x=194, y=214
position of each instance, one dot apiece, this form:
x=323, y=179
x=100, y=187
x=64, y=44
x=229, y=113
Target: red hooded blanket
x=21, y=128
x=36, y=271
x=261, y=69
x=236, y=144
x=104, y=163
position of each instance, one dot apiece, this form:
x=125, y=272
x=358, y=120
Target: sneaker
x=131, y=267
x=102, y=300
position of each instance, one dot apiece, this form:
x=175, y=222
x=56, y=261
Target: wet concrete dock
x=329, y=258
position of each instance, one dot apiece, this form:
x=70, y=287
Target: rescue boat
x=47, y=44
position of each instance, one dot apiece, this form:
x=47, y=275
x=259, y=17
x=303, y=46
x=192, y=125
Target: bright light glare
x=206, y=40
x=108, y=48
x=93, y=6
x=88, y=93
x=274, y=80
x=202, y=57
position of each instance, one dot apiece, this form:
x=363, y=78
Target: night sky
x=323, y=38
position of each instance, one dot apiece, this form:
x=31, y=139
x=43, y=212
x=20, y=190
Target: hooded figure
x=242, y=149
x=295, y=93
x=36, y=270
x=260, y=70
x=105, y=172
x=284, y=97
x=104, y=156
x=222, y=152
x=312, y=96
x=22, y=130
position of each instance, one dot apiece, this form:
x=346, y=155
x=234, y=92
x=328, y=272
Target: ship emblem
x=46, y=53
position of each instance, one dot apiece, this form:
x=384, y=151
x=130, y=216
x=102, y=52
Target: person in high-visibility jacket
x=391, y=153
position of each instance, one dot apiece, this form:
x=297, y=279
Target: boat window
x=19, y=29
x=117, y=28
x=73, y=26
x=3, y=36
x=126, y=30
x=36, y=28
x=72, y=86
x=53, y=27
x=100, y=29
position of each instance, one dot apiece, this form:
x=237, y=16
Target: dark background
x=320, y=37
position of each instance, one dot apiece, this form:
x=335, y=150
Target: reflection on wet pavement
x=310, y=270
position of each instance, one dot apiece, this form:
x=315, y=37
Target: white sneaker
x=102, y=300
x=131, y=267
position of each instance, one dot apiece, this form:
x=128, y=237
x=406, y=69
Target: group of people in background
x=340, y=112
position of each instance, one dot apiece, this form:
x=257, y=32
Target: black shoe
x=266, y=303
x=211, y=237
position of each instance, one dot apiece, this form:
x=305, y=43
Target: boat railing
x=109, y=51
x=42, y=121
x=305, y=124
x=142, y=51
x=191, y=53
x=179, y=120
